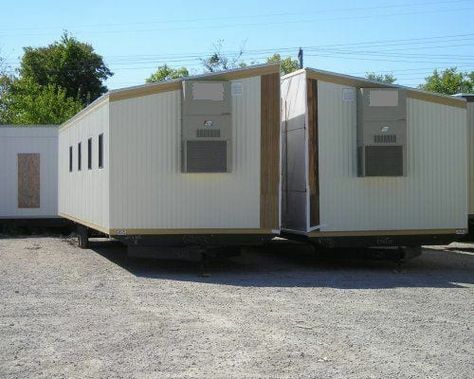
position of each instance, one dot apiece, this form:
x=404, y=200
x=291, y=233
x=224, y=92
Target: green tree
x=165, y=72
x=5, y=83
x=68, y=64
x=382, y=78
x=3, y=66
x=287, y=65
x=449, y=82
x=26, y=102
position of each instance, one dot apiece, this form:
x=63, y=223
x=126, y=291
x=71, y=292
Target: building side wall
x=433, y=194
x=148, y=189
x=84, y=194
x=28, y=140
x=294, y=136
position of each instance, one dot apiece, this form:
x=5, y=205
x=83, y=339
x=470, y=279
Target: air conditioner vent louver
x=208, y=133
x=385, y=138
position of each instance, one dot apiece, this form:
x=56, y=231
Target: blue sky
x=408, y=38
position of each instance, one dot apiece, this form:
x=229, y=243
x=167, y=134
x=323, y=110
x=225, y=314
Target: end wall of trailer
x=84, y=193
x=150, y=194
x=470, y=126
x=28, y=172
x=294, y=153
x=432, y=195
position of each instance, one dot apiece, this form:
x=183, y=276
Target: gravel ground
x=278, y=312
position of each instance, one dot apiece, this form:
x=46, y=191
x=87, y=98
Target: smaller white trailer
x=188, y=162
x=370, y=163
x=28, y=172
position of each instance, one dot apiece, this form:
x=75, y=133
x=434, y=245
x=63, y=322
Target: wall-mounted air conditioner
x=206, y=132
x=381, y=131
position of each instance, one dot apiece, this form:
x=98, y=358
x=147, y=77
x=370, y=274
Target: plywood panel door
x=29, y=180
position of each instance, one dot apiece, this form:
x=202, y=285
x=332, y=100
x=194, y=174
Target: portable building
x=28, y=172
x=371, y=163
x=187, y=161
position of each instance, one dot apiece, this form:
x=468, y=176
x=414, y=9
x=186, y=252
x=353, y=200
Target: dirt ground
x=275, y=312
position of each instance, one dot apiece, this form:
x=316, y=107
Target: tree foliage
x=449, y=82
x=67, y=64
x=3, y=66
x=382, y=78
x=5, y=82
x=54, y=83
x=165, y=72
x=5, y=85
x=218, y=61
x=287, y=65
x=26, y=102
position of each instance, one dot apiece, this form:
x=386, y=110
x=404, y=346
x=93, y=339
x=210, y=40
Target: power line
x=123, y=63
x=390, y=54
x=408, y=43
x=293, y=49
x=407, y=70
x=379, y=59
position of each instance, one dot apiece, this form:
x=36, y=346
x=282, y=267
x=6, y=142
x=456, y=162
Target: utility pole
x=300, y=57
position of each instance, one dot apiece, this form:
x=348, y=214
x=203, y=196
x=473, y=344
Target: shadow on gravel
x=296, y=265
x=37, y=228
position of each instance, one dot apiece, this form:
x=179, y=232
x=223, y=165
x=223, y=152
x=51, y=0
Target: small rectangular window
x=101, y=150
x=79, y=156
x=70, y=158
x=89, y=153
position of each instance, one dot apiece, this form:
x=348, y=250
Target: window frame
x=89, y=153
x=100, y=149
x=79, y=156
x=70, y=159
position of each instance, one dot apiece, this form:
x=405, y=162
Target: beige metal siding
x=148, y=189
x=294, y=183
x=84, y=195
x=433, y=194
x=28, y=140
x=470, y=133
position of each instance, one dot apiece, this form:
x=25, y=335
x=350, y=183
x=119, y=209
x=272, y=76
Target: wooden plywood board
x=313, y=166
x=270, y=151
x=29, y=180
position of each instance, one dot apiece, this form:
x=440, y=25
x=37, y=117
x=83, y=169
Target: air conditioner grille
x=385, y=138
x=384, y=160
x=208, y=133
x=206, y=156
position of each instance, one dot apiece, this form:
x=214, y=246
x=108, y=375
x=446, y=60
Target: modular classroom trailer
x=28, y=173
x=371, y=164
x=193, y=161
